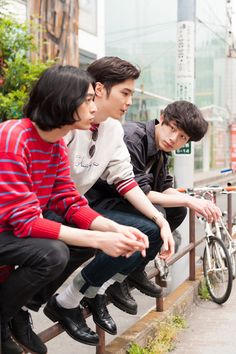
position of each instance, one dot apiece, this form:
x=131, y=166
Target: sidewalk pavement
x=64, y=344
x=211, y=328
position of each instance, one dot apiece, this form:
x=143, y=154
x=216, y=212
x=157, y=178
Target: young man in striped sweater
x=35, y=178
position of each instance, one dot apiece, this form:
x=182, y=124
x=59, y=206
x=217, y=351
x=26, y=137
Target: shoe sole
x=144, y=291
x=54, y=319
x=86, y=305
x=105, y=329
x=120, y=306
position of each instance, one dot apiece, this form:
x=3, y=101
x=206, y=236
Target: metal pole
x=229, y=212
x=192, y=253
x=100, y=348
x=185, y=77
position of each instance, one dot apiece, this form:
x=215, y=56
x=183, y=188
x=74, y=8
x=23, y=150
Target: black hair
x=111, y=71
x=187, y=117
x=56, y=96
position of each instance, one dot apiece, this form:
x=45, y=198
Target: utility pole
x=230, y=77
x=184, y=157
x=185, y=77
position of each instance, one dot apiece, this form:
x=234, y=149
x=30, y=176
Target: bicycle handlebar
x=207, y=189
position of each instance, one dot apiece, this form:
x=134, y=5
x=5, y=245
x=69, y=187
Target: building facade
x=144, y=32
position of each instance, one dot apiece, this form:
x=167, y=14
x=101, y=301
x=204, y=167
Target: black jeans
x=42, y=264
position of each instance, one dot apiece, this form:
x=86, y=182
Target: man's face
x=85, y=113
x=169, y=137
x=120, y=98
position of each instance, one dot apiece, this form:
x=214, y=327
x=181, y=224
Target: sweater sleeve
x=20, y=207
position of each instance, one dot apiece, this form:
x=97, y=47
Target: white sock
x=70, y=297
x=104, y=287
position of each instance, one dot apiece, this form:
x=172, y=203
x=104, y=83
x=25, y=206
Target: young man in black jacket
x=150, y=145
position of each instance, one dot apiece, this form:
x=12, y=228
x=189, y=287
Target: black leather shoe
x=119, y=295
x=72, y=321
x=140, y=281
x=8, y=345
x=101, y=316
x=21, y=329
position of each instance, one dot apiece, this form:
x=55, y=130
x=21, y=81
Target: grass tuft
x=203, y=291
x=165, y=339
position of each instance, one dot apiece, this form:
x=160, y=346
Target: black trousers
x=42, y=266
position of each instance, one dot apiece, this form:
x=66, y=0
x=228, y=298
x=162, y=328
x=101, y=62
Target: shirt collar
x=150, y=128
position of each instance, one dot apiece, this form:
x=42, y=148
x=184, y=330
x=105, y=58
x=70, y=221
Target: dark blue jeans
x=113, y=208
x=104, y=267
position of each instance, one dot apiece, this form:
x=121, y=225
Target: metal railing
x=56, y=329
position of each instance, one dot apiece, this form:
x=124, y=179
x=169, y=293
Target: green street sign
x=185, y=150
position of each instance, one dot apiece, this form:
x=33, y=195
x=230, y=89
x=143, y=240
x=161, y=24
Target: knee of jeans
x=57, y=256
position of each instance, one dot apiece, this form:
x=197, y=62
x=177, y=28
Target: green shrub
x=17, y=72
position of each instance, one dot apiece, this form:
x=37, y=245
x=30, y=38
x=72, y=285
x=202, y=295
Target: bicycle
x=229, y=241
x=219, y=251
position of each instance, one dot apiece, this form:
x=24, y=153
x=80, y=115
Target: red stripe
x=125, y=186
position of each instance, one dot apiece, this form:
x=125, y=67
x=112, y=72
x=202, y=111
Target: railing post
x=160, y=300
x=229, y=212
x=100, y=348
x=192, y=267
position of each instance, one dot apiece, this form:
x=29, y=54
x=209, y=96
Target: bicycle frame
x=209, y=233
x=218, y=255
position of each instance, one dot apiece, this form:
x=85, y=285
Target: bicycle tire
x=218, y=274
x=231, y=250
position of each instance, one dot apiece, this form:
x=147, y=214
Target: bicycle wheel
x=217, y=270
x=231, y=248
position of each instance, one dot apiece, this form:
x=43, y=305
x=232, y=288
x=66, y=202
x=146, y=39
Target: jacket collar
x=150, y=129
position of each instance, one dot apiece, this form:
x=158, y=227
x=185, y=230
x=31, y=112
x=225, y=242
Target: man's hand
x=117, y=244
x=134, y=233
x=204, y=207
x=168, y=247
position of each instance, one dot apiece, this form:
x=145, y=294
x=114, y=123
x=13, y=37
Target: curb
x=179, y=302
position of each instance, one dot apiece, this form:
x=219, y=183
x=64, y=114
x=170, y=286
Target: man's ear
x=161, y=118
x=99, y=88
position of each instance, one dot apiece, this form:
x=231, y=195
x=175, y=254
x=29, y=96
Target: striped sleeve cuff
x=43, y=228
x=125, y=186
x=84, y=217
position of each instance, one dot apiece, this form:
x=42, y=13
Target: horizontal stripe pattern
x=34, y=176
x=126, y=185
